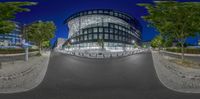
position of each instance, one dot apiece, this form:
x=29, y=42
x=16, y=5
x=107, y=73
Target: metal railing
x=101, y=55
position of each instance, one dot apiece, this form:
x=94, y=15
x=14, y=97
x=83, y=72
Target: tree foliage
x=46, y=44
x=8, y=10
x=177, y=20
x=157, y=42
x=40, y=32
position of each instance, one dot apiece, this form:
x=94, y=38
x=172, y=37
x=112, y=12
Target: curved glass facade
x=116, y=29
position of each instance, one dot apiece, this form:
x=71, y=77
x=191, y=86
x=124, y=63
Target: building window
x=89, y=30
x=100, y=29
x=85, y=37
x=85, y=32
x=95, y=36
x=120, y=28
x=100, y=36
x=116, y=14
x=120, y=15
x=105, y=24
x=111, y=13
x=120, y=38
x=81, y=14
x=100, y=11
x=90, y=12
x=95, y=30
x=116, y=26
x=81, y=38
x=124, y=33
x=123, y=29
x=111, y=36
x=106, y=30
x=111, y=25
x=111, y=30
x=106, y=36
x=106, y=12
x=81, y=32
x=124, y=39
x=95, y=11
x=78, y=39
x=90, y=36
x=116, y=37
x=123, y=16
x=116, y=31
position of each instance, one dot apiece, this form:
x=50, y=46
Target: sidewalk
x=22, y=76
x=174, y=76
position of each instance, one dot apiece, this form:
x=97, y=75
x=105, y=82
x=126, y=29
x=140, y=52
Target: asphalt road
x=70, y=77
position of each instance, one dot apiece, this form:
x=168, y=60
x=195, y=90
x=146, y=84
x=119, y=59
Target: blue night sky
x=59, y=10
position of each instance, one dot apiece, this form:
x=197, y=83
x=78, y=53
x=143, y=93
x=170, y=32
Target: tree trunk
x=103, y=46
x=182, y=51
x=40, y=49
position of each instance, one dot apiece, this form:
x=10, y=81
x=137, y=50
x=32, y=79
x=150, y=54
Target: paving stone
x=23, y=76
x=175, y=77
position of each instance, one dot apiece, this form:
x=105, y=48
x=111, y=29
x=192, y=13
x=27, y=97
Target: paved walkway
x=176, y=77
x=70, y=77
x=20, y=76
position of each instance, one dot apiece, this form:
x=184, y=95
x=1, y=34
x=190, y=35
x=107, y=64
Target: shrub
x=15, y=51
x=186, y=50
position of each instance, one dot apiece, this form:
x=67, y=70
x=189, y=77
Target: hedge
x=186, y=50
x=15, y=51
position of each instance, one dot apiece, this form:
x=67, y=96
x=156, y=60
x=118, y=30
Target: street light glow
x=133, y=41
x=72, y=40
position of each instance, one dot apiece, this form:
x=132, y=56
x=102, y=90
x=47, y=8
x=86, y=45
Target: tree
x=40, y=32
x=100, y=42
x=46, y=44
x=167, y=42
x=135, y=45
x=157, y=42
x=178, y=20
x=8, y=10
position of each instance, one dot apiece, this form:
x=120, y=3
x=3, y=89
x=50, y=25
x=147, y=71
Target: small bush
x=15, y=51
x=186, y=50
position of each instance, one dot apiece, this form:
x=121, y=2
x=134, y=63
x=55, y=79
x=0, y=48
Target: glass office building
x=13, y=39
x=117, y=30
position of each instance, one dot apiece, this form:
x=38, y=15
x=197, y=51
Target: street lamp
x=72, y=40
x=133, y=41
